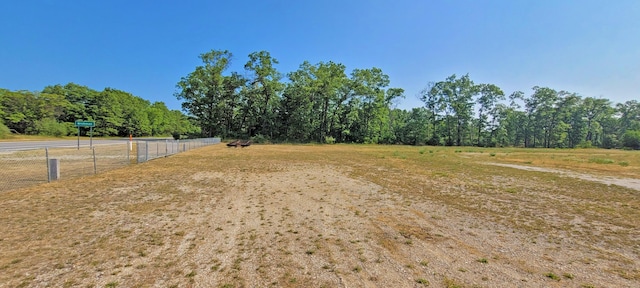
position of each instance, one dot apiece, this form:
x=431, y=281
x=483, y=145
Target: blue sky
x=144, y=47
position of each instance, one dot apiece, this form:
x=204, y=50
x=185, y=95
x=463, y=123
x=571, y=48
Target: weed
x=191, y=274
x=492, y=154
x=356, y=269
x=451, y=283
x=567, y=275
x=601, y=161
x=422, y=281
x=623, y=163
x=483, y=260
x=111, y=285
x=553, y=276
x=424, y=263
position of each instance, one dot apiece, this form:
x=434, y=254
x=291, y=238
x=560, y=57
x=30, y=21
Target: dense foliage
x=322, y=103
x=54, y=110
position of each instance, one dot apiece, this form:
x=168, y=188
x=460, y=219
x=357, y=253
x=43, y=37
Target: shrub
x=259, y=139
x=4, y=131
x=329, y=140
x=50, y=127
x=631, y=139
x=585, y=144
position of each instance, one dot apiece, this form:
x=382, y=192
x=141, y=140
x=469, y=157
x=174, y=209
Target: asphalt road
x=28, y=145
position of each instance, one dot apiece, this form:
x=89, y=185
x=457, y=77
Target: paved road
x=28, y=145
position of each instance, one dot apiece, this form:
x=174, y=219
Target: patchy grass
x=327, y=215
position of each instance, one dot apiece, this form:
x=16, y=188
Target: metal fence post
x=95, y=167
x=146, y=151
x=46, y=153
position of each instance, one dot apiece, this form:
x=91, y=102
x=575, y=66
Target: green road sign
x=85, y=124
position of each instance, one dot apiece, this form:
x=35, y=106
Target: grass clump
x=567, y=275
x=553, y=276
x=422, y=281
x=601, y=161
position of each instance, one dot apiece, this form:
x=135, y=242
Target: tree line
x=54, y=110
x=323, y=103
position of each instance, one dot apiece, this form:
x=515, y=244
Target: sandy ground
x=624, y=182
x=301, y=224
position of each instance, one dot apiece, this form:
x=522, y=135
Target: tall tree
x=204, y=89
x=489, y=95
x=267, y=87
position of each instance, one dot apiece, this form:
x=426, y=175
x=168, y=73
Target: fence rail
x=25, y=168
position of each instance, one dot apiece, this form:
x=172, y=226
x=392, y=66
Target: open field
x=332, y=216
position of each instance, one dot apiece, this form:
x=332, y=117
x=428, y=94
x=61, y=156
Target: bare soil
x=624, y=182
x=319, y=216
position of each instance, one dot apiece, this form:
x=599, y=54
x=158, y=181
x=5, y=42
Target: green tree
x=267, y=87
x=204, y=91
x=488, y=98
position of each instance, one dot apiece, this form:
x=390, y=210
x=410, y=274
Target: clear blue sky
x=144, y=47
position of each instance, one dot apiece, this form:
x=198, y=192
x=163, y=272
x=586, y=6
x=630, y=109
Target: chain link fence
x=151, y=149
x=25, y=168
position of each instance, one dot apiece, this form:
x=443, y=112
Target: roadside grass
x=100, y=224
x=26, y=168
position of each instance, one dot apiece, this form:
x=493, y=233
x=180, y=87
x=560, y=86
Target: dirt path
x=624, y=182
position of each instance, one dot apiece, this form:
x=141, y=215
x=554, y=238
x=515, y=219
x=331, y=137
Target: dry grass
x=332, y=216
x=26, y=168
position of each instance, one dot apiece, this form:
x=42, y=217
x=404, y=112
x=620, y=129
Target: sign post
x=89, y=124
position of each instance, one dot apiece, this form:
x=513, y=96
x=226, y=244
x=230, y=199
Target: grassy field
x=333, y=216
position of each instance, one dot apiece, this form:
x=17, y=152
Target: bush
x=4, y=131
x=259, y=139
x=176, y=135
x=50, y=127
x=631, y=139
x=329, y=140
x=585, y=144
